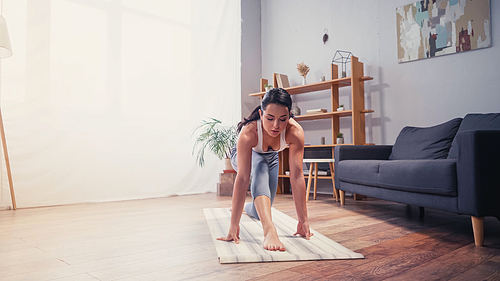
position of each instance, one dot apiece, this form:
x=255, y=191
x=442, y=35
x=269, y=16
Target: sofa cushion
x=363, y=172
x=476, y=121
x=425, y=143
x=421, y=176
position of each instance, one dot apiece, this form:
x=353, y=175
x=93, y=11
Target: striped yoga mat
x=250, y=248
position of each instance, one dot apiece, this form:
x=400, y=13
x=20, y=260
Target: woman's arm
x=296, y=155
x=244, y=161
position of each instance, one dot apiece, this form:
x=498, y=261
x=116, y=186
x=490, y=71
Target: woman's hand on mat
x=303, y=230
x=232, y=235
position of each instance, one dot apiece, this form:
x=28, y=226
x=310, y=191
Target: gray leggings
x=263, y=177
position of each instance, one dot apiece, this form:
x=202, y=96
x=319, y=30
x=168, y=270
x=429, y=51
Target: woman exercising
x=268, y=130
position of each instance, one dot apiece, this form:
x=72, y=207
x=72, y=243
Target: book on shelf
x=282, y=80
x=316, y=111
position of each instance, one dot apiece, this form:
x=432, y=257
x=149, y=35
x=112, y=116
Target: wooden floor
x=168, y=239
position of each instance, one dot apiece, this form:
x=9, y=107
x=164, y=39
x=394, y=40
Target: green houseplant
x=216, y=138
x=340, y=138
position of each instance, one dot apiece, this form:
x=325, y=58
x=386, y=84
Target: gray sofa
x=454, y=166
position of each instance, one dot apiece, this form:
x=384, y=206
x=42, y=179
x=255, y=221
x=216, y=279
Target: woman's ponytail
x=255, y=115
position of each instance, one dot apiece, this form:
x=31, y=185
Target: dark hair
x=274, y=96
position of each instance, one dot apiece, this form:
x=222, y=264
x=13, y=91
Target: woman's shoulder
x=294, y=127
x=249, y=132
x=249, y=128
x=294, y=132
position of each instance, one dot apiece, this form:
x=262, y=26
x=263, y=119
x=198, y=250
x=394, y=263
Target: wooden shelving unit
x=319, y=86
x=357, y=111
x=328, y=115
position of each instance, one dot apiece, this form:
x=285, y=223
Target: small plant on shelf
x=268, y=87
x=341, y=108
x=340, y=138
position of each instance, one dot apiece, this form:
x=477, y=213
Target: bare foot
x=272, y=242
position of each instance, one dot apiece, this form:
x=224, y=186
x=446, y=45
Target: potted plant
x=216, y=138
x=268, y=87
x=341, y=108
x=340, y=138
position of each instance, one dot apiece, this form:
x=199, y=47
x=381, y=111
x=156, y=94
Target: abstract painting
x=432, y=28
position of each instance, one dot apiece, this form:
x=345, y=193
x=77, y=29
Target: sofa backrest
x=425, y=143
x=474, y=122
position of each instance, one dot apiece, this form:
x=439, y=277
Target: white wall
x=292, y=32
x=419, y=93
x=250, y=54
x=431, y=91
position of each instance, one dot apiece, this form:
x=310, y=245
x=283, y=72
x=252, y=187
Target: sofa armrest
x=360, y=152
x=478, y=172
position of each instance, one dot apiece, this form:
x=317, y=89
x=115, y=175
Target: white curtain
x=100, y=98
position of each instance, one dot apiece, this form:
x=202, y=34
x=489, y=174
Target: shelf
x=328, y=115
x=356, y=113
x=319, y=177
x=325, y=85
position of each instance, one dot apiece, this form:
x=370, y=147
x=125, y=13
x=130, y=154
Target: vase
x=295, y=110
x=227, y=164
x=303, y=80
x=340, y=140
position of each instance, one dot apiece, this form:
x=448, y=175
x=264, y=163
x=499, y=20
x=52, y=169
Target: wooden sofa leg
x=421, y=213
x=478, y=229
x=342, y=197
